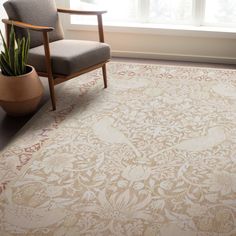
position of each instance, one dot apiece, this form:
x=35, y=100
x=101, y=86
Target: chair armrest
x=80, y=12
x=27, y=26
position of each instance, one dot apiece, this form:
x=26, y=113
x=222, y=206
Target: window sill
x=161, y=29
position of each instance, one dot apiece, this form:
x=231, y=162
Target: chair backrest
x=36, y=12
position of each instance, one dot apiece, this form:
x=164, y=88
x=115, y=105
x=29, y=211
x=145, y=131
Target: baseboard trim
x=174, y=57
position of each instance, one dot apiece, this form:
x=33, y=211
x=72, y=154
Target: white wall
x=171, y=47
x=2, y=15
x=155, y=46
x=159, y=46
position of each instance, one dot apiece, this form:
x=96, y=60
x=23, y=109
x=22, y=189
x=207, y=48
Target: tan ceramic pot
x=20, y=95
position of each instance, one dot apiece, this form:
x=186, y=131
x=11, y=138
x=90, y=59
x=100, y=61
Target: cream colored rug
x=154, y=154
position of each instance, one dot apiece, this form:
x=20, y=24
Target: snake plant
x=13, y=60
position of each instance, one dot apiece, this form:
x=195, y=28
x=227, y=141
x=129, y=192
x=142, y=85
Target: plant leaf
x=5, y=46
x=12, y=47
x=16, y=62
x=6, y=69
x=13, y=60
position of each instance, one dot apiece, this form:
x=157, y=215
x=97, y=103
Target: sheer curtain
x=170, y=11
x=184, y=12
x=220, y=12
x=119, y=11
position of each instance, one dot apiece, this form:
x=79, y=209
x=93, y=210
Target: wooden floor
x=9, y=126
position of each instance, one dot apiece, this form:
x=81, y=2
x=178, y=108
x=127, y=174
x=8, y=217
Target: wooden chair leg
x=104, y=71
x=52, y=93
x=49, y=69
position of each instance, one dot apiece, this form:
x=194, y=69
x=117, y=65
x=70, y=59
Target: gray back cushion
x=36, y=12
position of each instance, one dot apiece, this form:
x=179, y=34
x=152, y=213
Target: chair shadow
x=10, y=126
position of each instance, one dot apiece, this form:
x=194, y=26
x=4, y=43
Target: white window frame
x=196, y=29
x=143, y=9
x=198, y=12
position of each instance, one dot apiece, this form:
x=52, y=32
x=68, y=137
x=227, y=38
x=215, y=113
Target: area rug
x=154, y=154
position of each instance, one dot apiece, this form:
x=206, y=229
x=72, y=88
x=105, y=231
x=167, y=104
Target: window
x=169, y=11
x=220, y=12
x=180, y=12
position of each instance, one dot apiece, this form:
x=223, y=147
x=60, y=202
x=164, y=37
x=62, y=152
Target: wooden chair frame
x=54, y=79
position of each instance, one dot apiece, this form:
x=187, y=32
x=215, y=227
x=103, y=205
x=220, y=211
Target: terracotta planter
x=20, y=95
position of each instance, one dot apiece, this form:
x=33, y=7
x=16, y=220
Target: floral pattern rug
x=153, y=154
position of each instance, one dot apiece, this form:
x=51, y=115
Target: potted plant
x=20, y=87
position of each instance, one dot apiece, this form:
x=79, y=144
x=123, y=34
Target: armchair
x=54, y=57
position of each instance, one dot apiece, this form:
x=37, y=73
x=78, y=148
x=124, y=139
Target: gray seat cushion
x=36, y=12
x=70, y=56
